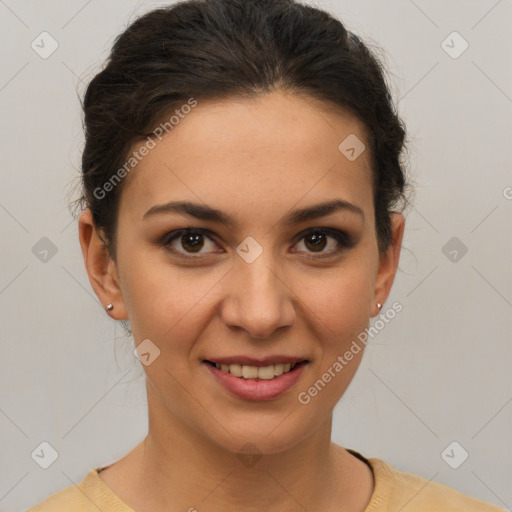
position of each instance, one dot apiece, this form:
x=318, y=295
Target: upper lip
x=256, y=361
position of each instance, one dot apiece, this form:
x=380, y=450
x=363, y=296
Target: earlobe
x=388, y=263
x=101, y=269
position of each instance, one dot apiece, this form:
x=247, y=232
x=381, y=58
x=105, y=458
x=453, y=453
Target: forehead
x=277, y=149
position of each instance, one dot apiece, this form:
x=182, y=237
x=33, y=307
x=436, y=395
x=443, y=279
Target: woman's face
x=261, y=287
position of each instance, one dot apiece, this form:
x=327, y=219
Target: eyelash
x=344, y=241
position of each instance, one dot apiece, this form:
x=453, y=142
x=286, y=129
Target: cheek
x=337, y=307
x=339, y=299
x=165, y=302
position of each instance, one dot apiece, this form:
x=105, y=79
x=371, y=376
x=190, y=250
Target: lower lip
x=257, y=389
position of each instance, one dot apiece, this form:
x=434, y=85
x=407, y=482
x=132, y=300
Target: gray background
x=438, y=373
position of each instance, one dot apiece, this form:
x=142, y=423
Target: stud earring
x=109, y=307
x=379, y=305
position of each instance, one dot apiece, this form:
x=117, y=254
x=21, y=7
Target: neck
x=178, y=468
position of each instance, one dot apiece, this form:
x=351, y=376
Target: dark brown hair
x=225, y=48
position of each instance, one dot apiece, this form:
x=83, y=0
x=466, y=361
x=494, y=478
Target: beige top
x=394, y=491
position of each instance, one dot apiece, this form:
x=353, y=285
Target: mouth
x=258, y=372
x=257, y=379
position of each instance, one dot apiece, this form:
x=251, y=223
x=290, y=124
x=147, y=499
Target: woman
x=242, y=178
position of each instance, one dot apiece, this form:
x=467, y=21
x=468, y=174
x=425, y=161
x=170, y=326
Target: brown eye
x=317, y=240
x=189, y=241
x=192, y=242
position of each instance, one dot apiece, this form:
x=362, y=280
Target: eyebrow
x=208, y=213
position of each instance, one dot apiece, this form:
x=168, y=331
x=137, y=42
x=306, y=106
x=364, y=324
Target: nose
x=258, y=299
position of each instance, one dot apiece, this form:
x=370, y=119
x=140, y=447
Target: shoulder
x=90, y=495
x=67, y=500
x=411, y=493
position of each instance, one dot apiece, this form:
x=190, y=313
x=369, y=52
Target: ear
x=388, y=263
x=101, y=269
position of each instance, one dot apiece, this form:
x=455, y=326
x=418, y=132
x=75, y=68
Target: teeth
x=259, y=372
x=266, y=372
x=278, y=369
x=249, y=372
x=235, y=369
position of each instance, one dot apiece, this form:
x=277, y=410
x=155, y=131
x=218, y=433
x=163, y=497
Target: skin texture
x=256, y=160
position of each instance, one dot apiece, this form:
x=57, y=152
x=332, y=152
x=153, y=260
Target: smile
x=266, y=381
x=256, y=372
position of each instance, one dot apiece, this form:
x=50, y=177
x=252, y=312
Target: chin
x=262, y=434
